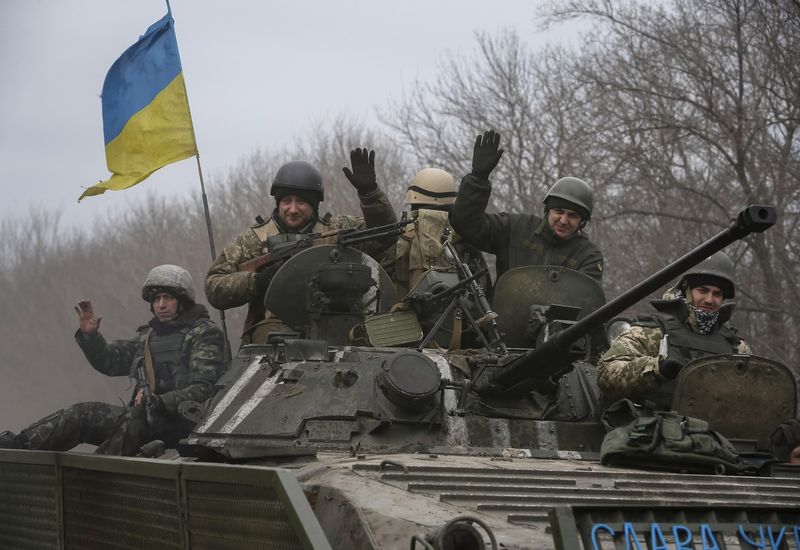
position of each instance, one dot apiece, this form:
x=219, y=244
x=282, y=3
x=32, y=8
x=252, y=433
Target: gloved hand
x=154, y=403
x=264, y=277
x=670, y=366
x=486, y=154
x=362, y=176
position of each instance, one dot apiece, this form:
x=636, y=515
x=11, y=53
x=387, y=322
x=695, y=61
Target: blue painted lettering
x=657, y=541
x=684, y=543
x=708, y=538
x=761, y=545
x=630, y=535
x=595, y=529
x=775, y=543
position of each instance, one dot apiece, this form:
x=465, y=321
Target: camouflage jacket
x=518, y=239
x=630, y=366
x=226, y=287
x=202, y=354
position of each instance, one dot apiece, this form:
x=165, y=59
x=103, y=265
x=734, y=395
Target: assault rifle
x=340, y=237
x=147, y=394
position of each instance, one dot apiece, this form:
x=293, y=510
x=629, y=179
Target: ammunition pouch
x=665, y=440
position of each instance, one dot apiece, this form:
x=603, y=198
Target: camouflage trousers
x=114, y=429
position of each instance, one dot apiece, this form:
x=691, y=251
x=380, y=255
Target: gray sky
x=258, y=74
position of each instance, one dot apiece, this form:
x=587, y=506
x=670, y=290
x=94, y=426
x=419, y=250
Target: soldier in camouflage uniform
x=298, y=190
x=526, y=239
x=691, y=322
x=184, y=354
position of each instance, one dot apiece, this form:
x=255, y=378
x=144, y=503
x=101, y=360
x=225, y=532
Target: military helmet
x=572, y=193
x=717, y=270
x=172, y=279
x=300, y=176
x=432, y=186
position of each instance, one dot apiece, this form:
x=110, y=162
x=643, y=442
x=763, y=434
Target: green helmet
x=300, y=178
x=432, y=186
x=572, y=193
x=716, y=270
x=172, y=279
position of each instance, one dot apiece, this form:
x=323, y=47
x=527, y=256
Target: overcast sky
x=258, y=73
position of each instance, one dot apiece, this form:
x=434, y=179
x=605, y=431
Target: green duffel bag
x=666, y=440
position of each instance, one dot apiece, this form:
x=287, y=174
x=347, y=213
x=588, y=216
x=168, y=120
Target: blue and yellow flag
x=146, y=119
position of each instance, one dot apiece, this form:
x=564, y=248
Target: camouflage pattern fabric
x=114, y=429
x=227, y=287
x=518, y=239
x=122, y=430
x=630, y=366
x=202, y=356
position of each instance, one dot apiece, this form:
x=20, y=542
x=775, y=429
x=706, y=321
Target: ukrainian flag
x=146, y=119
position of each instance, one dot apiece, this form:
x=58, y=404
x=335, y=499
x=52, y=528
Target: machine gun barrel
x=545, y=361
x=488, y=317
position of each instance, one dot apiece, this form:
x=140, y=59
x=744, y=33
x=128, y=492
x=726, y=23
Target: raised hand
x=486, y=154
x=87, y=322
x=362, y=176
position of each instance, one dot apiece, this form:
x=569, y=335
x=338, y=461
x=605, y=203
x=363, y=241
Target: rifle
x=142, y=383
x=344, y=237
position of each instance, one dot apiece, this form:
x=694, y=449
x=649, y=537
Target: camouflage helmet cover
x=574, y=191
x=432, y=186
x=717, y=270
x=172, y=279
x=298, y=175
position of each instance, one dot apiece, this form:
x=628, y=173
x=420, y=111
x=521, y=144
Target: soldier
x=298, y=190
x=785, y=441
x=430, y=198
x=183, y=356
x=691, y=322
x=526, y=239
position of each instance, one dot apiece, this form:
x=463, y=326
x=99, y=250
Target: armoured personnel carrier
x=315, y=442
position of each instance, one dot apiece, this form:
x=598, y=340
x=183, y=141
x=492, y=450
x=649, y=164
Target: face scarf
x=705, y=319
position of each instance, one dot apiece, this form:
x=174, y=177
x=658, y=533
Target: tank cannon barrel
x=546, y=361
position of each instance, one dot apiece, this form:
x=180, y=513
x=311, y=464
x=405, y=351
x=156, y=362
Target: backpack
x=666, y=440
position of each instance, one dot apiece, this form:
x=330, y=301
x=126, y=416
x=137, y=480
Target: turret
x=538, y=367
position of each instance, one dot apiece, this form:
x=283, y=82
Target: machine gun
x=457, y=299
x=339, y=237
x=539, y=368
x=140, y=375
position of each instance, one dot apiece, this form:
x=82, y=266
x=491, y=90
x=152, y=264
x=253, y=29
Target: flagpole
x=209, y=228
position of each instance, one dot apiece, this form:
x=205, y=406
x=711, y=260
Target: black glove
x=264, y=277
x=670, y=366
x=363, y=174
x=154, y=403
x=486, y=154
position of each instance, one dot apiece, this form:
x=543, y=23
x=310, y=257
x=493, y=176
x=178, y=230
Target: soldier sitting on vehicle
x=691, y=322
x=526, y=239
x=420, y=247
x=179, y=354
x=298, y=190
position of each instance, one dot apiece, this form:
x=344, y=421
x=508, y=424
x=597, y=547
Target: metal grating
x=527, y=495
x=235, y=517
x=116, y=510
x=28, y=513
x=73, y=501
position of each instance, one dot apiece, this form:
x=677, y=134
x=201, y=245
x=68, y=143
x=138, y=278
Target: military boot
x=10, y=440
